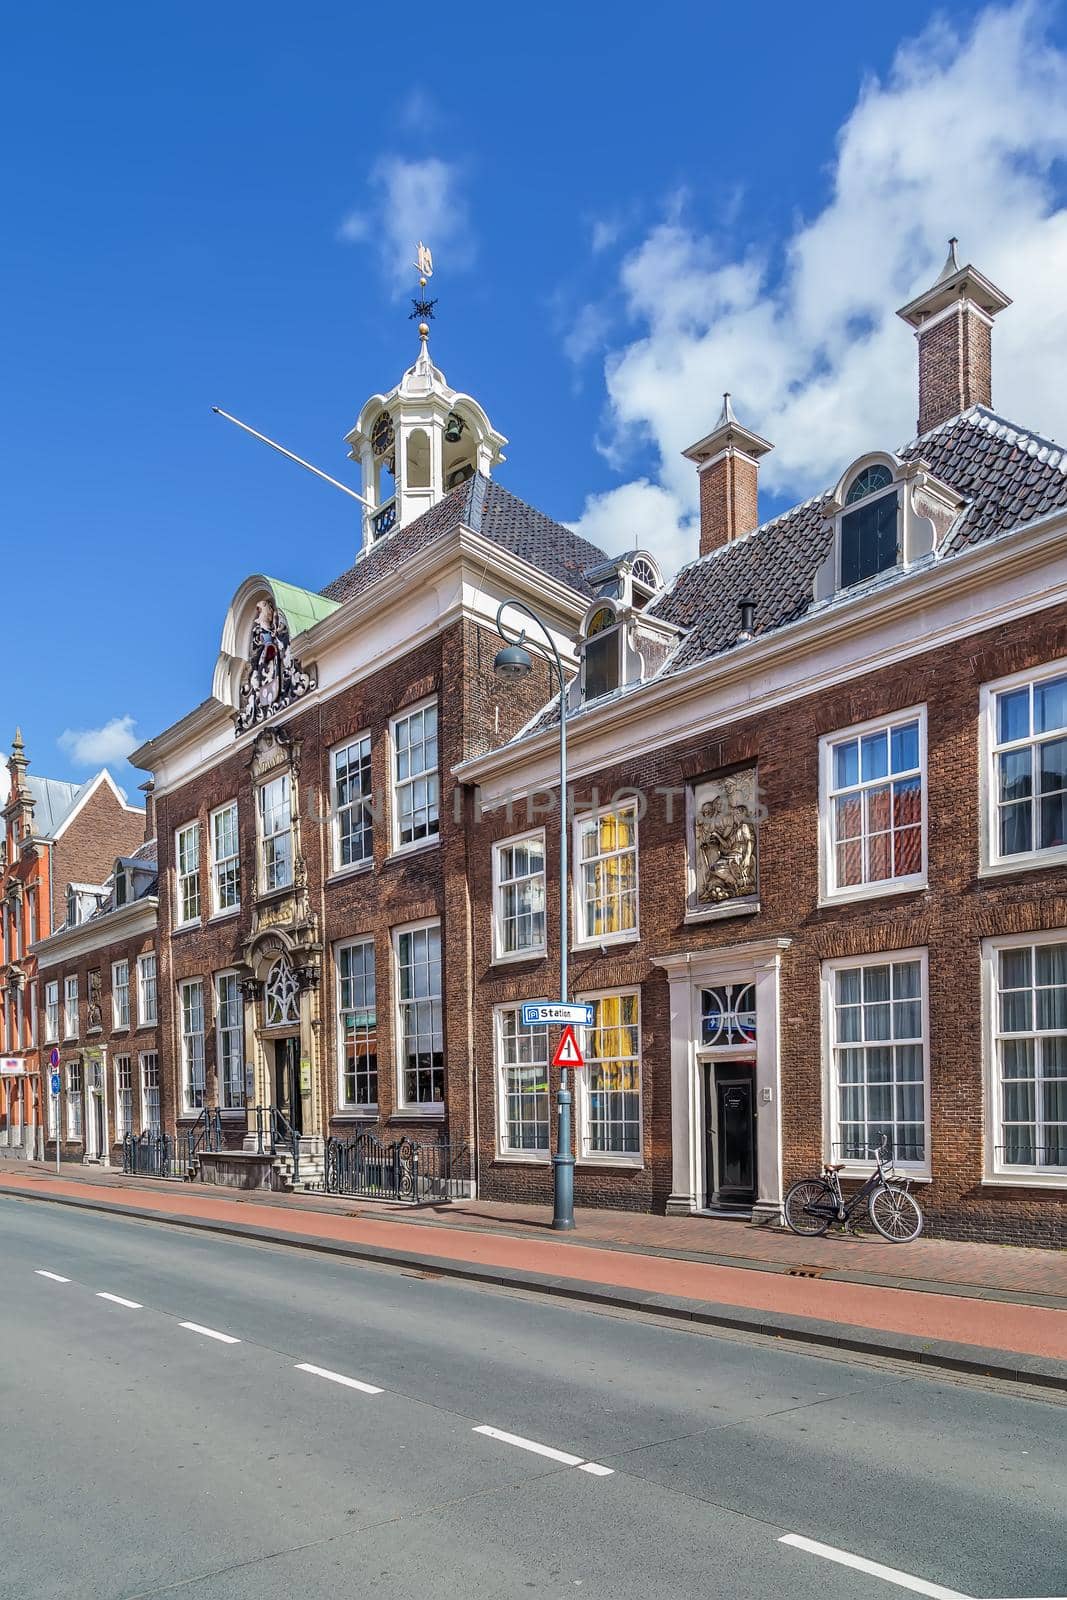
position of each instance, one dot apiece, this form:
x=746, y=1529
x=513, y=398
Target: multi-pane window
x=357, y=1027
x=123, y=1097
x=421, y=1028
x=150, y=1091
x=31, y=914
x=1029, y=779
x=51, y=1012
x=225, y=860
x=33, y=1013
x=611, y=1079
x=415, y=780
x=147, y=1006
x=74, y=1099
x=519, y=904
x=606, y=907
x=878, y=1059
x=191, y=1007
x=187, y=857
x=869, y=536
x=229, y=1041
x=120, y=994
x=522, y=1058
x=1030, y=1033
x=70, y=1008
x=874, y=790
x=352, y=803
x=274, y=802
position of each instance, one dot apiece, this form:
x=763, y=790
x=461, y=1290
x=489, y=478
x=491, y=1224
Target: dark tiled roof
x=491, y=510
x=1007, y=476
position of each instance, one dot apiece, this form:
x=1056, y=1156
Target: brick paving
x=496, y=1237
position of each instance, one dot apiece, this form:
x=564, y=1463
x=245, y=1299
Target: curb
x=973, y=1360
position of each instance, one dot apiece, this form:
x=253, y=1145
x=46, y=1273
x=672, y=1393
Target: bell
x=453, y=428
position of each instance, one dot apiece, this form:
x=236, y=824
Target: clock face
x=381, y=437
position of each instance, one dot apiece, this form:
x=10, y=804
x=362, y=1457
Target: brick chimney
x=149, y=791
x=728, y=464
x=953, y=323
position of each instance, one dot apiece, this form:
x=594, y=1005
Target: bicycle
x=811, y=1204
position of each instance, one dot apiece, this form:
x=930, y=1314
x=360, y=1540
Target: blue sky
x=631, y=210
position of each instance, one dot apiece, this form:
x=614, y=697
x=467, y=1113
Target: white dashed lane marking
x=337, y=1377
x=41, y=1273
x=117, y=1300
x=562, y=1456
x=209, y=1333
x=874, y=1569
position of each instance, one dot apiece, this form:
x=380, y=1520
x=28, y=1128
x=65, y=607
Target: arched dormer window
x=870, y=526
x=601, y=664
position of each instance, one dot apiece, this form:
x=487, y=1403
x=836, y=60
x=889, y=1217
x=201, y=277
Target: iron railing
x=376, y=1168
x=274, y=1133
x=155, y=1155
x=1022, y=1152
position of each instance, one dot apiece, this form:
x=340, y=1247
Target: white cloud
x=963, y=136
x=97, y=747
x=413, y=200
x=643, y=516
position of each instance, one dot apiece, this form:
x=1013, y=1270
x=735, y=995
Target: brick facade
x=728, y=500
x=955, y=366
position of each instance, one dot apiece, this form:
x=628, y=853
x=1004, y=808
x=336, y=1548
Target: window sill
x=1026, y=1178
x=356, y=870
x=224, y=916
x=400, y=852
x=726, y=908
x=233, y=1113
x=623, y=1163
x=522, y=1158
x=434, y=1113
x=351, y=1114
x=187, y=927
x=514, y=958
x=860, y=1172
x=1030, y=861
x=266, y=897
x=874, y=891
x=612, y=942
x=143, y=1027
x=122, y=1027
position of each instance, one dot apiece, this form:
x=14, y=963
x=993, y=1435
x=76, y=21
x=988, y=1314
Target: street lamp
x=511, y=664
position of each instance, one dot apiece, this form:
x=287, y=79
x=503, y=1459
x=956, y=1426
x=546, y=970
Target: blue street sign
x=541, y=1013
x=55, y=1083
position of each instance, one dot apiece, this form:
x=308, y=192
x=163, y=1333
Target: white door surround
x=757, y=963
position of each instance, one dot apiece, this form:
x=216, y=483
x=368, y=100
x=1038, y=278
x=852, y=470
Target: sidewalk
x=989, y=1308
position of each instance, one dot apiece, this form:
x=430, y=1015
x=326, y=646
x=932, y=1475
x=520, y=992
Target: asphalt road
x=141, y=1456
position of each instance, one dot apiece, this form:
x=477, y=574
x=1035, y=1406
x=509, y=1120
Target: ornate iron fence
x=375, y=1168
x=155, y=1155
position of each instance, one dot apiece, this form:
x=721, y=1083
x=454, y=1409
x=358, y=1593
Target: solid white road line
x=337, y=1377
x=117, y=1300
x=209, y=1333
x=561, y=1456
x=875, y=1569
x=41, y=1273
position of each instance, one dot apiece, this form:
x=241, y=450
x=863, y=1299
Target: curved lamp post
x=512, y=663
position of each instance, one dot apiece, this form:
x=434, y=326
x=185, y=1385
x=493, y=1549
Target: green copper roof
x=302, y=607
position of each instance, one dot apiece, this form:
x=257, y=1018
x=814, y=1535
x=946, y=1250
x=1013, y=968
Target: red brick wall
x=728, y=500
x=955, y=367
x=86, y=852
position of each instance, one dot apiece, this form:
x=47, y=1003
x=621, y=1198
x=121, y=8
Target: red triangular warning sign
x=567, y=1053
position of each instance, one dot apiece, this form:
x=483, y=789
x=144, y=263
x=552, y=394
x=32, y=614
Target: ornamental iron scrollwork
x=728, y=1015
x=281, y=995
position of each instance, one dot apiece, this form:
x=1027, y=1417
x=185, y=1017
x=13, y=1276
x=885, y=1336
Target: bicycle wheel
x=799, y=1200
x=895, y=1214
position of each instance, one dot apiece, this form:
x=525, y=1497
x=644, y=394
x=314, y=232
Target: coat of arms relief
x=274, y=677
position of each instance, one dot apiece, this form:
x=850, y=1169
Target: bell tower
x=421, y=440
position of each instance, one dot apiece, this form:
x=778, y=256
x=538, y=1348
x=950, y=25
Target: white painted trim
x=994, y=1173
x=964, y=303
x=216, y=914
x=584, y=1157
x=581, y=939
x=993, y=864
x=504, y=1152
x=535, y=952
x=102, y=777
x=396, y=847
x=333, y=816
x=178, y=922
x=340, y=1107
x=84, y=938
x=402, y=1106
x=829, y=893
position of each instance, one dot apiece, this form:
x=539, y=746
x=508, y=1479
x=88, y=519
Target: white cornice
x=699, y=963
x=920, y=611
x=125, y=922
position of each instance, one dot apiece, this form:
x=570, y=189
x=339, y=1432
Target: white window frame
x=184, y=876
x=587, y=1157
x=189, y=1105
x=829, y=893
x=997, y=1172
x=356, y=1107
x=123, y=1122
x=51, y=1011
x=70, y=1006
x=365, y=802
x=920, y=1170
x=506, y=1151
x=75, y=1107
x=432, y=776
x=150, y=1123
x=220, y=864
x=144, y=1018
x=222, y=1034
x=120, y=984
x=992, y=862
x=263, y=838
x=422, y=1108
x=33, y=1013
x=531, y=952
x=582, y=939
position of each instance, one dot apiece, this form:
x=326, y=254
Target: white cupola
x=417, y=443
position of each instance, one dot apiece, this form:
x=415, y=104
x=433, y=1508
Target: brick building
x=818, y=890
x=58, y=842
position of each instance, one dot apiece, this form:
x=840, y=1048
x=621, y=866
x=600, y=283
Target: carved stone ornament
x=274, y=678
x=723, y=842
x=93, y=1017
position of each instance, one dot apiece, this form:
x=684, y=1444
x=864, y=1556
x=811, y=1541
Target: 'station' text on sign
x=542, y=1013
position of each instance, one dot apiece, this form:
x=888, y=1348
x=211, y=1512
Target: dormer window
x=601, y=668
x=121, y=886
x=869, y=526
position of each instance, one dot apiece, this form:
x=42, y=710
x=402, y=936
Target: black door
x=287, y=1081
x=735, y=1105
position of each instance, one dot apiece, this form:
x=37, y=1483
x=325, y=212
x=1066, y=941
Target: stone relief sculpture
x=275, y=678
x=724, y=836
